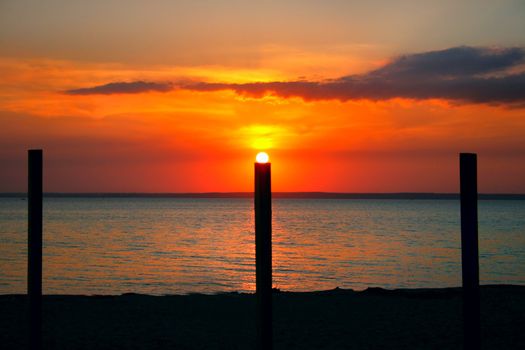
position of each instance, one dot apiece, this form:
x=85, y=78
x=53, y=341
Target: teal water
x=175, y=245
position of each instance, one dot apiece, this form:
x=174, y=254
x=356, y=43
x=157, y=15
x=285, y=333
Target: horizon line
x=279, y=195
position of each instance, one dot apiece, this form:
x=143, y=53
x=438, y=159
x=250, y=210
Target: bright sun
x=262, y=157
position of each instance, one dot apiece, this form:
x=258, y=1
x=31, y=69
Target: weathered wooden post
x=469, y=250
x=34, y=240
x=263, y=251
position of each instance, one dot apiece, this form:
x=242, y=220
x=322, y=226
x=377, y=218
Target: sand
x=336, y=319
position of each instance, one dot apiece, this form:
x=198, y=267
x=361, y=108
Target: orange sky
x=191, y=140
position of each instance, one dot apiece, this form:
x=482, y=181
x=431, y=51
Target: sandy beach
x=336, y=319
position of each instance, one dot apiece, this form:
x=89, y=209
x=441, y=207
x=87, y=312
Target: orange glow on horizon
x=171, y=140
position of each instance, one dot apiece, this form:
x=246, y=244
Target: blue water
x=173, y=245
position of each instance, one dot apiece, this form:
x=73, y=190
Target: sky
x=345, y=96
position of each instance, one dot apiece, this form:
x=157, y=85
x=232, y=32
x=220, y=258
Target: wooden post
x=263, y=254
x=469, y=250
x=34, y=261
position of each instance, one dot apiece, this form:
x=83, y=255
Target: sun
x=262, y=157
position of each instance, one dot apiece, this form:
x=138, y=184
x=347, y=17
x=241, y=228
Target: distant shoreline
x=284, y=195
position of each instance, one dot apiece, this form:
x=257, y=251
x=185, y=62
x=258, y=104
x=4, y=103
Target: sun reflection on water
x=167, y=246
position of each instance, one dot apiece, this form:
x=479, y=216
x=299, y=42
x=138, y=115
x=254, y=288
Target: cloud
x=134, y=87
x=468, y=74
x=453, y=62
x=462, y=74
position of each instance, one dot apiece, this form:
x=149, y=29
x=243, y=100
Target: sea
x=156, y=245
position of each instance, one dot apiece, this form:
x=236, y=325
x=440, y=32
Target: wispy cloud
x=464, y=74
x=133, y=87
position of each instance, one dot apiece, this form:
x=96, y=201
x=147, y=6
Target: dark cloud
x=466, y=74
x=134, y=87
x=469, y=74
x=453, y=62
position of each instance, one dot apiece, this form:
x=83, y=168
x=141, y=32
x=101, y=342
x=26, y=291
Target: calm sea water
x=168, y=246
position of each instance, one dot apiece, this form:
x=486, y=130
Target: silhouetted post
x=469, y=250
x=263, y=254
x=34, y=266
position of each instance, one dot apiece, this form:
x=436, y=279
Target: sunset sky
x=345, y=96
